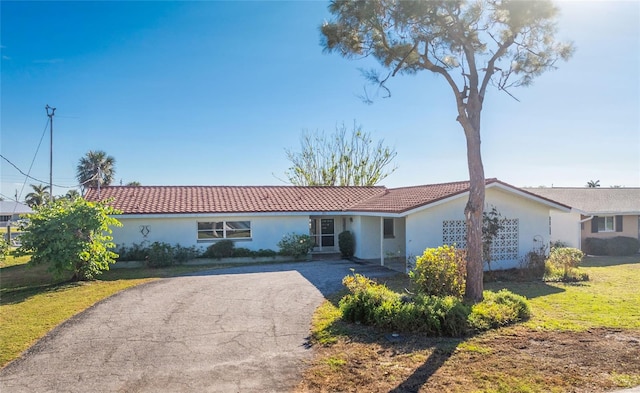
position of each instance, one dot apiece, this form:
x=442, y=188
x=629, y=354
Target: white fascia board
x=376, y=214
x=434, y=204
x=612, y=213
x=531, y=196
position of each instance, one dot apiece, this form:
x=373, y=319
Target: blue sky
x=212, y=93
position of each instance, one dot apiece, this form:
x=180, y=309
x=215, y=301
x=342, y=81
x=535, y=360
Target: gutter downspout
x=580, y=230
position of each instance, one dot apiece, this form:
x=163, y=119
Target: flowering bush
x=440, y=272
x=295, y=245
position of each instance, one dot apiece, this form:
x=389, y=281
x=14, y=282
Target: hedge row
x=615, y=246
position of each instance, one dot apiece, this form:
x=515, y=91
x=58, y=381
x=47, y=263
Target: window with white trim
x=214, y=230
x=606, y=224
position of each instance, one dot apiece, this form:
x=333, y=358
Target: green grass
x=609, y=299
x=32, y=301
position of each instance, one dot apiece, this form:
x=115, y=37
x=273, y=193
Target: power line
x=40, y=181
x=34, y=158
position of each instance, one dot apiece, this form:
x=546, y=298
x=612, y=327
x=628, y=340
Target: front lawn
x=582, y=337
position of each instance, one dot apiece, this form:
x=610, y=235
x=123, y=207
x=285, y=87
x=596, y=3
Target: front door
x=323, y=232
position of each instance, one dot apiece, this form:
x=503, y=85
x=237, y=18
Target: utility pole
x=50, y=112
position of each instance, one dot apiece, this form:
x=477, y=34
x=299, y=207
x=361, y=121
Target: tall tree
x=38, y=197
x=95, y=168
x=472, y=45
x=344, y=158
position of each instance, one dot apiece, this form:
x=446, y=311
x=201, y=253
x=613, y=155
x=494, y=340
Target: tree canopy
x=38, y=197
x=95, y=169
x=472, y=45
x=344, y=158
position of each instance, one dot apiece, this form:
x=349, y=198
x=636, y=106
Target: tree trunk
x=475, y=206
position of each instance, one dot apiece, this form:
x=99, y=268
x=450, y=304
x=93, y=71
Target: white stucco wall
x=266, y=231
x=565, y=227
x=367, y=234
x=424, y=228
x=366, y=230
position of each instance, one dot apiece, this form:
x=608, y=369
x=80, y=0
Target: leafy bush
x=533, y=264
x=71, y=236
x=498, y=309
x=566, y=260
x=595, y=246
x=440, y=272
x=347, y=244
x=159, y=254
x=265, y=253
x=242, y=252
x=137, y=252
x=220, y=249
x=615, y=246
x=295, y=245
x=622, y=245
x=374, y=304
x=4, y=248
x=183, y=254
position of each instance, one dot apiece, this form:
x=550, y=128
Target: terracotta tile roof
x=231, y=199
x=271, y=199
x=399, y=200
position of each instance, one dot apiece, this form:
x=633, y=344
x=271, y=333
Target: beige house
x=596, y=212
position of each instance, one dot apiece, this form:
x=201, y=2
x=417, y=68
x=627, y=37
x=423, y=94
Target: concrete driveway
x=243, y=329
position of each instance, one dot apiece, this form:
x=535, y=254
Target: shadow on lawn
x=604, y=261
x=528, y=289
x=440, y=354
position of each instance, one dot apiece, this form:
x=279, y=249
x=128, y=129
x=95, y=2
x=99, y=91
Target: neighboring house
x=11, y=211
x=386, y=223
x=596, y=212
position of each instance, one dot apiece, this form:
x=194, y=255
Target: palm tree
x=95, y=168
x=38, y=197
x=593, y=184
x=72, y=194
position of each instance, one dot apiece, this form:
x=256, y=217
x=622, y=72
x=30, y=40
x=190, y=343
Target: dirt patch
x=507, y=360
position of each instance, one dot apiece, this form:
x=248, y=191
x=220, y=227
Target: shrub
x=374, y=304
x=71, y=236
x=565, y=259
x=295, y=245
x=498, y=309
x=137, y=252
x=266, y=253
x=159, y=254
x=347, y=244
x=595, y=246
x=533, y=264
x=220, y=249
x=622, y=245
x=183, y=254
x=242, y=252
x=4, y=248
x=440, y=271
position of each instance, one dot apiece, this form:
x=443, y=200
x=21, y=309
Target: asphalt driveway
x=243, y=329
